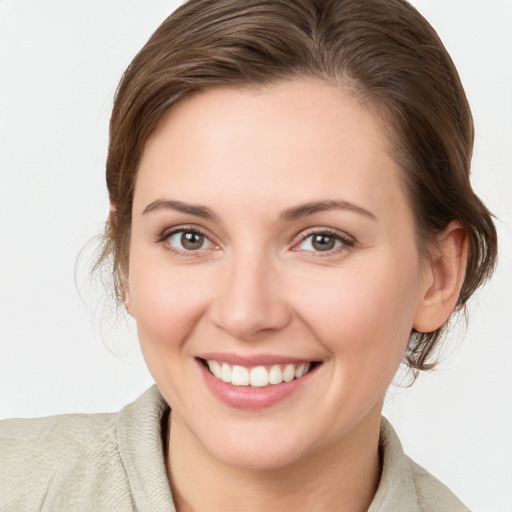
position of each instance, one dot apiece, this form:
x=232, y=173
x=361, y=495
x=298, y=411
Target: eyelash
x=346, y=242
x=166, y=235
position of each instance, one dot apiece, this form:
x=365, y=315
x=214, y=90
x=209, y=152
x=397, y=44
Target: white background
x=60, y=62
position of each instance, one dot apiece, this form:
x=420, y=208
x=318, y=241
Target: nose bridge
x=249, y=301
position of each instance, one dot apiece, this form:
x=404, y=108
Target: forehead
x=286, y=142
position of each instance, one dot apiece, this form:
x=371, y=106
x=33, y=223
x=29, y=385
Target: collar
x=397, y=489
x=139, y=437
x=140, y=441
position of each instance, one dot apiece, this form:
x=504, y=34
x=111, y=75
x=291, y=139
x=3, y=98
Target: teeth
x=275, y=375
x=215, y=368
x=258, y=376
x=302, y=370
x=289, y=373
x=240, y=376
x=226, y=372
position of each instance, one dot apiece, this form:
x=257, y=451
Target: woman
x=291, y=217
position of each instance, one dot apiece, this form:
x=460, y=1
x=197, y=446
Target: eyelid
x=164, y=236
x=346, y=240
x=168, y=231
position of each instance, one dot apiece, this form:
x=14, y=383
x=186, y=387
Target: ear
x=127, y=297
x=112, y=214
x=112, y=219
x=443, y=278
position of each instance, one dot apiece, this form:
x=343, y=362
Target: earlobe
x=444, y=275
x=112, y=219
x=127, y=297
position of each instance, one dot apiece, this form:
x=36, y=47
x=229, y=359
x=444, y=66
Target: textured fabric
x=98, y=462
x=115, y=462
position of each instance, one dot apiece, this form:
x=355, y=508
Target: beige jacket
x=114, y=462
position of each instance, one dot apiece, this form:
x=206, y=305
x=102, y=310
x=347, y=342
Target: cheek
x=166, y=305
x=357, y=312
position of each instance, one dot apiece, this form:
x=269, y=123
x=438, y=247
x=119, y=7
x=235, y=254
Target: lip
x=250, y=361
x=251, y=398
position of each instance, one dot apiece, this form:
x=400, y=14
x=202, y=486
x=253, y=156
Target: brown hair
x=383, y=51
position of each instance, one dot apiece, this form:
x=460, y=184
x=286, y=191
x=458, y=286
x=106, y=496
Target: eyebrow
x=192, y=209
x=296, y=212
x=306, y=209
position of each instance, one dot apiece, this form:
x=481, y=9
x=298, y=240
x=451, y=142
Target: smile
x=257, y=376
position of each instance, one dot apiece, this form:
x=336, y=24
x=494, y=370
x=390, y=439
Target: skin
x=258, y=286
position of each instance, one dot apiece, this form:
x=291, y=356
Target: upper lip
x=254, y=359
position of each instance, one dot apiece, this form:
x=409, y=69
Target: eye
x=188, y=240
x=323, y=241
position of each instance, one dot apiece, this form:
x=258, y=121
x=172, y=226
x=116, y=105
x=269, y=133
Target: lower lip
x=246, y=397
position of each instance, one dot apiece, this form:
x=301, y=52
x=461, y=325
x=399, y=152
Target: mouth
x=261, y=376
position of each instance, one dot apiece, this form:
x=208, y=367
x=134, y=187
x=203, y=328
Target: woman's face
x=271, y=236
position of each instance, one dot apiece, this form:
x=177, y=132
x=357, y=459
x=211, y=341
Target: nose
x=249, y=303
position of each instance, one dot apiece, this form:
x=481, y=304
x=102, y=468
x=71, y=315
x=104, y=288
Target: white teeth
x=275, y=375
x=215, y=368
x=289, y=373
x=226, y=372
x=240, y=376
x=259, y=377
x=302, y=370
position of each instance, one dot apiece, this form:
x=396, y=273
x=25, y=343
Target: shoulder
x=45, y=435
x=87, y=462
x=407, y=487
x=433, y=494
x=58, y=458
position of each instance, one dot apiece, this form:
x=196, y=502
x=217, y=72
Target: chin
x=257, y=458
x=259, y=449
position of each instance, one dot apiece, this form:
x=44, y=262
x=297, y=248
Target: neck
x=342, y=479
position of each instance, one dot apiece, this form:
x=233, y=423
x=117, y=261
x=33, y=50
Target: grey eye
x=320, y=242
x=189, y=240
x=323, y=242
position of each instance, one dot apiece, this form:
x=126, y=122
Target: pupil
x=191, y=241
x=323, y=242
